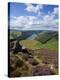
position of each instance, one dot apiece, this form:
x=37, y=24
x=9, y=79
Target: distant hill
x=21, y=35
x=45, y=36
x=36, y=36
x=45, y=39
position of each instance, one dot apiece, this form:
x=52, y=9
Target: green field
x=44, y=39
x=14, y=34
x=33, y=44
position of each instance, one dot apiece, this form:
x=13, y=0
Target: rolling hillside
x=43, y=37
x=42, y=40
x=40, y=56
x=33, y=44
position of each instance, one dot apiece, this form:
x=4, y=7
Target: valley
x=39, y=56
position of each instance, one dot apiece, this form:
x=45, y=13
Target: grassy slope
x=51, y=44
x=43, y=37
x=29, y=43
x=33, y=44
x=36, y=44
x=14, y=34
x=25, y=68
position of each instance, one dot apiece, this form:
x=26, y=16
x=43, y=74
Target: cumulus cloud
x=40, y=22
x=24, y=22
x=33, y=23
x=32, y=8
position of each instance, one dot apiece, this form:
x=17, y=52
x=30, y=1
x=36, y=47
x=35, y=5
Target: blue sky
x=33, y=16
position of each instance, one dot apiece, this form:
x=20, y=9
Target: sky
x=28, y=16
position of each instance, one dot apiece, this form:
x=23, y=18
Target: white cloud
x=40, y=22
x=32, y=8
x=24, y=22
x=49, y=22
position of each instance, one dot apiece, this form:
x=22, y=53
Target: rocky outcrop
x=27, y=62
x=16, y=47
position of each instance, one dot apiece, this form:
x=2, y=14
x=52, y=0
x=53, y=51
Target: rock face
x=17, y=47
